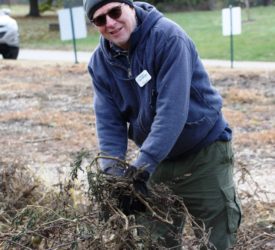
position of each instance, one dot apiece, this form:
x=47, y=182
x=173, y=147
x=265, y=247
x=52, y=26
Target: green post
x=73, y=34
x=231, y=37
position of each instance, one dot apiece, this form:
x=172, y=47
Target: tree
x=34, y=8
x=247, y=8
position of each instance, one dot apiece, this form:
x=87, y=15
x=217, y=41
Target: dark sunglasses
x=114, y=13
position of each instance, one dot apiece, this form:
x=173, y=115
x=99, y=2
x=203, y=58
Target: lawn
x=256, y=42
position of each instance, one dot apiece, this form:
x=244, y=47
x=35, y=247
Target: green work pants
x=205, y=182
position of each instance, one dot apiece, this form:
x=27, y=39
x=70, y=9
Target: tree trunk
x=34, y=8
x=247, y=7
x=212, y=4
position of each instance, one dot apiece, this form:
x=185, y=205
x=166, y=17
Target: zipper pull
x=129, y=73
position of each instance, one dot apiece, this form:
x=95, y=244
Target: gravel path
x=69, y=56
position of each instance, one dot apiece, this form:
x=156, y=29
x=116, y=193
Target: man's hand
x=115, y=170
x=129, y=204
x=139, y=177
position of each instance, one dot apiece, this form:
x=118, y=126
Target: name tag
x=143, y=78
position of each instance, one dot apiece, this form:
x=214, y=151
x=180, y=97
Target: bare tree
x=34, y=8
x=247, y=8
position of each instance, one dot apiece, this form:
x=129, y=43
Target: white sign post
x=231, y=20
x=72, y=25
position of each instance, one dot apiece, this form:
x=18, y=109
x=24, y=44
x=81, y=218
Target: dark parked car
x=9, y=35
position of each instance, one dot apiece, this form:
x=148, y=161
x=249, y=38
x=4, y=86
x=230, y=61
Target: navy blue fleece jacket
x=174, y=114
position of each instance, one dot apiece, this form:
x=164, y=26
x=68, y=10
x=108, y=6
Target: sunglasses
x=114, y=13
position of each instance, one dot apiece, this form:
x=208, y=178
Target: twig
x=24, y=194
x=154, y=214
x=95, y=160
x=43, y=140
x=18, y=244
x=121, y=215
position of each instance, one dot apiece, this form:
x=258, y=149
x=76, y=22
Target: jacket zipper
x=129, y=73
x=129, y=67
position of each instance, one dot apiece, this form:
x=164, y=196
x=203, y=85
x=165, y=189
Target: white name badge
x=143, y=78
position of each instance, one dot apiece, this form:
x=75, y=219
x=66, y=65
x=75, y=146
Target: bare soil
x=46, y=118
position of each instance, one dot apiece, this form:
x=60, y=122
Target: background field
x=256, y=43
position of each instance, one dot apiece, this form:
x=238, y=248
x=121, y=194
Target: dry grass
x=47, y=121
x=237, y=95
x=258, y=138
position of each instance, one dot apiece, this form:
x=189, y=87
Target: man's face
x=117, y=31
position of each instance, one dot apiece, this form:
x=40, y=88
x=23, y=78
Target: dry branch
x=99, y=223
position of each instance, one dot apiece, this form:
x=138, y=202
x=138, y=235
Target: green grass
x=256, y=43
x=35, y=34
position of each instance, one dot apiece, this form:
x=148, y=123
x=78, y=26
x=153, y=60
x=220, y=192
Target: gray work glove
x=131, y=204
x=139, y=178
x=115, y=170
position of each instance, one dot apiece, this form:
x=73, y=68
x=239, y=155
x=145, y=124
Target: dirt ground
x=46, y=118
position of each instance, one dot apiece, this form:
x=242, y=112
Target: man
x=151, y=87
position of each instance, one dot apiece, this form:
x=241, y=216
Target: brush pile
x=55, y=219
x=34, y=217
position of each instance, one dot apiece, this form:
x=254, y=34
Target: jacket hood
x=147, y=16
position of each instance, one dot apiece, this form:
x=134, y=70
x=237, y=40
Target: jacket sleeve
x=110, y=125
x=173, y=81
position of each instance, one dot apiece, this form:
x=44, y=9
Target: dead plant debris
x=55, y=219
